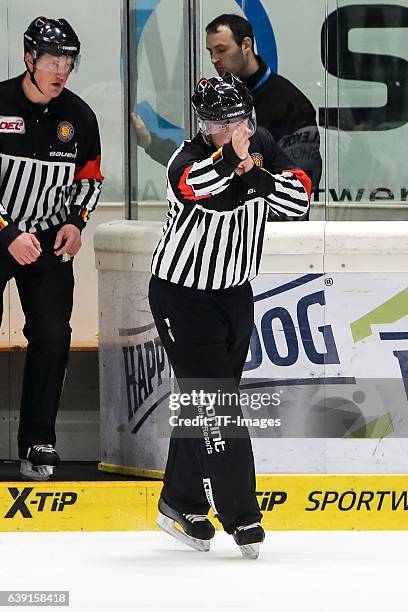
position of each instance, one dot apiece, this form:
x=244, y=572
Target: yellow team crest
x=65, y=131
x=258, y=159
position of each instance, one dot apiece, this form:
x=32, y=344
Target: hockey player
x=50, y=182
x=221, y=185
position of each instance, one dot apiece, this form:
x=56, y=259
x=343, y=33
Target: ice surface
x=296, y=571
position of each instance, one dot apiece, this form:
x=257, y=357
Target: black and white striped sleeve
x=286, y=192
x=194, y=180
x=84, y=197
x=87, y=184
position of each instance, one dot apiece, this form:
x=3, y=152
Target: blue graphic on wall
x=263, y=31
x=265, y=42
x=158, y=125
x=143, y=12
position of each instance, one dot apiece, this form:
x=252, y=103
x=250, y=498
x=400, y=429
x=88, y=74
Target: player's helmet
x=220, y=101
x=54, y=36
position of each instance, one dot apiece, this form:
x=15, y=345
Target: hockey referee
x=50, y=182
x=220, y=187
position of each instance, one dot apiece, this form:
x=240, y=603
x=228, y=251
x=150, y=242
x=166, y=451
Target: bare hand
x=69, y=237
x=240, y=140
x=25, y=249
x=245, y=166
x=143, y=136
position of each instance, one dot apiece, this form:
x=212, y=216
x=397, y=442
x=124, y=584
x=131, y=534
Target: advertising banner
x=324, y=386
x=336, y=347
x=295, y=502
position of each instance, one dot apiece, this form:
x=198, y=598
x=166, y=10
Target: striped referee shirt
x=49, y=162
x=213, y=235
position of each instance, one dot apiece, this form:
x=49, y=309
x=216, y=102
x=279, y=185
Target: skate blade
x=38, y=472
x=169, y=526
x=250, y=551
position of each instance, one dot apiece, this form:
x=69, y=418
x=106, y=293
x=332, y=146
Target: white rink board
x=337, y=342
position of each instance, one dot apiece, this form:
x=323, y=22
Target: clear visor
x=227, y=127
x=59, y=64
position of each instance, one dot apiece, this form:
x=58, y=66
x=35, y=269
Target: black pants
x=45, y=288
x=206, y=336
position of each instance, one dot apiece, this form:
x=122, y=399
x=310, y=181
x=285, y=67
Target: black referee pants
x=206, y=336
x=45, y=288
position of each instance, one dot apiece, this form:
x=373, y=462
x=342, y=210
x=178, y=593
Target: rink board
x=288, y=502
x=329, y=353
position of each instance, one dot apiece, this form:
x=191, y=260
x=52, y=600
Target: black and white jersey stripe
x=203, y=179
x=38, y=195
x=207, y=243
x=85, y=194
x=210, y=250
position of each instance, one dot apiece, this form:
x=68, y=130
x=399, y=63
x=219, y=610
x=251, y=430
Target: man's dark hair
x=239, y=27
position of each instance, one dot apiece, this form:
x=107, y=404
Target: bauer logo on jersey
x=65, y=131
x=258, y=159
x=12, y=125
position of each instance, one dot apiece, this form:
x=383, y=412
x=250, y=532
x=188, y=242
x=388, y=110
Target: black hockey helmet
x=54, y=36
x=222, y=100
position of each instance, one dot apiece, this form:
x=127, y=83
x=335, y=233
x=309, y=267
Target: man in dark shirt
x=50, y=182
x=280, y=106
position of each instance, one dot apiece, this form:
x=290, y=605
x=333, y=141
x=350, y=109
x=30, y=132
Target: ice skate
x=39, y=462
x=249, y=539
x=195, y=530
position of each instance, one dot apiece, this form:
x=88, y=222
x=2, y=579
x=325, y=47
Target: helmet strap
x=32, y=74
x=208, y=140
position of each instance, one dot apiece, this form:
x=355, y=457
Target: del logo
x=12, y=125
x=25, y=501
x=65, y=131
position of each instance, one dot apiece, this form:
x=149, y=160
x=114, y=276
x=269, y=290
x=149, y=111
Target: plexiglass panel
x=156, y=84
x=367, y=62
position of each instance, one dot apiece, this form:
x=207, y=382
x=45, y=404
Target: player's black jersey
x=215, y=224
x=289, y=116
x=49, y=162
